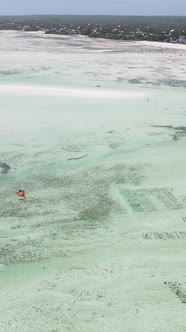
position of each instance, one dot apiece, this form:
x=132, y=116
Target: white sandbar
x=21, y=90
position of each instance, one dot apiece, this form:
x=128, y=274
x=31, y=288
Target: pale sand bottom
x=74, y=256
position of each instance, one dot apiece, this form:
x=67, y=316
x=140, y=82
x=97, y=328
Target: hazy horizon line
x=111, y=15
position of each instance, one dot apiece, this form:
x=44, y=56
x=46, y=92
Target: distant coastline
x=170, y=29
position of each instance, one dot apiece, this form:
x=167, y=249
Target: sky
x=94, y=7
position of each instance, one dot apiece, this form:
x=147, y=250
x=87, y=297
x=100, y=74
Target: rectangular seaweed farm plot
x=149, y=199
x=137, y=201
x=166, y=196
x=177, y=235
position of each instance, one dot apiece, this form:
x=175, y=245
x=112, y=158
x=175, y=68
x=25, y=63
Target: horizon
x=111, y=15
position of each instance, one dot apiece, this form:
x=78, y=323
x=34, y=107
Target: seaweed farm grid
x=150, y=199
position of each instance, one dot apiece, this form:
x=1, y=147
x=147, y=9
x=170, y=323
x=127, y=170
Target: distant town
x=155, y=28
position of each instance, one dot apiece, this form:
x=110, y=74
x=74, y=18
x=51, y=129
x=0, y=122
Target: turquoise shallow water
x=98, y=244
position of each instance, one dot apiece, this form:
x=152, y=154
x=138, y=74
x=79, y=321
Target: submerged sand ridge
x=99, y=242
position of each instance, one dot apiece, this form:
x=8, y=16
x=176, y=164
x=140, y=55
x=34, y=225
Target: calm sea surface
x=94, y=131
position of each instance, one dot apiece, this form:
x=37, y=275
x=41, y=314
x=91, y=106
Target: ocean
x=94, y=131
